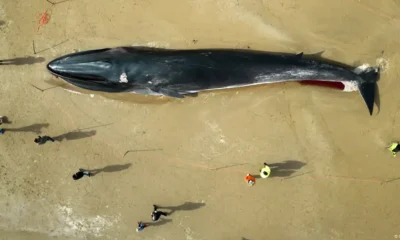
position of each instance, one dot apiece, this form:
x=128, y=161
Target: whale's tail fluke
x=367, y=86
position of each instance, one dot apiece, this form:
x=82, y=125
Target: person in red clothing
x=250, y=179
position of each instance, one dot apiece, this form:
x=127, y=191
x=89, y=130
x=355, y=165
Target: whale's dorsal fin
x=318, y=54
x=300, y=55
x=315, y=55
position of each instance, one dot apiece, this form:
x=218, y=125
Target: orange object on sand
x=250, y=179
x=43, y=18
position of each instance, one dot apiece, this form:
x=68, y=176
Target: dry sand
x=198, y=150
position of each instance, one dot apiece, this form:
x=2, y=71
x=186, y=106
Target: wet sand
x=193, y=154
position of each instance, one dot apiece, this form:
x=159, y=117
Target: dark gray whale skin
x=176, y=73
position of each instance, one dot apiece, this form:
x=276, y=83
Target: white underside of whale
x=349, y=86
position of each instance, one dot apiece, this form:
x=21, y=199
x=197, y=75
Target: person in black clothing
x=80, y=174
x=2, y=120
x=155, y=215
x=42, y=140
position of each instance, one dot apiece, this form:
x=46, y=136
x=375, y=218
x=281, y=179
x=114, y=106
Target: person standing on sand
x=42, y=140
x=250, y=179
x=3, y=119
x=141, y=226
x=394, y=147
x=80, y=174
x=265, y=171
x=1, y=122
x=155, y=215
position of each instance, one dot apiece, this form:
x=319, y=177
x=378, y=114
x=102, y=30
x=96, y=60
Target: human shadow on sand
x=160, y=222
x=35, y=128
x=110, y=168
x=22, y=60
x=285, y=169
x=187, y=206
x=74, y=135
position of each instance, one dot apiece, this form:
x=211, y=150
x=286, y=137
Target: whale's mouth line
x=79, y=77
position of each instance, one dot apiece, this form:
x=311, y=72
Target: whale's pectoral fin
x=170, y=93
x=195, y=94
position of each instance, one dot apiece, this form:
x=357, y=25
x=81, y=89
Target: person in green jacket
x=394, y=147
x=265, y=171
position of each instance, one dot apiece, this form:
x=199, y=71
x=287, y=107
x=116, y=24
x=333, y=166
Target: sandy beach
x=334, y=179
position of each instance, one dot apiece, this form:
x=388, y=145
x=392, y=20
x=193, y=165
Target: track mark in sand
x=210, y=143
x=188, y=231
x=214, y=141
x=292, y=125
x=83, y=112
x=328, y=130
x=76, y=125
x=310, y=133
x=215, y=128
x=231, y=10
x=72, y=224
x=315, y=136
x=377, y=13
x=316, y=149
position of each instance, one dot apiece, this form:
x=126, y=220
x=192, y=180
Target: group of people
x=155, y=215
x=264, y=173
x=42, y=140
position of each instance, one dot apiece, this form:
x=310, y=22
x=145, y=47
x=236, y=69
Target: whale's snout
x=72, y=67
x=92, y=70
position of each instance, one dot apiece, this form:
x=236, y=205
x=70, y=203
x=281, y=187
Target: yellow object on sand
x=392, y=147
x=265, y=172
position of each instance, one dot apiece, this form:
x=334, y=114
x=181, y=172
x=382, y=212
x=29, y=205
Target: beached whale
x=176, y=73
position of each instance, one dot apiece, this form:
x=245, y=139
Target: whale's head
x=92, y=70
